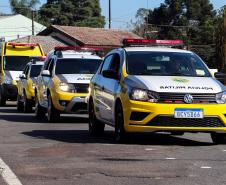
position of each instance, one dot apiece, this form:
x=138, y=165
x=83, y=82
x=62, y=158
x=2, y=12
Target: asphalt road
x=40, y=153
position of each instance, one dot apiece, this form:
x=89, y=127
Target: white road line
x=170, y=158
x=206, y=167
x=7, y=174
x=149, y=149
x=224, y=150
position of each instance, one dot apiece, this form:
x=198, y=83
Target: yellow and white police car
x=26, y=85
x=156, y=89
x=63, y=83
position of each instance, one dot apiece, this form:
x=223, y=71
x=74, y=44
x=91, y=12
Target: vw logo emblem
x=188, y=98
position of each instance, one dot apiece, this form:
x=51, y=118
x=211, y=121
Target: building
x=86, y=36
x=17, y=26
x=47, y=42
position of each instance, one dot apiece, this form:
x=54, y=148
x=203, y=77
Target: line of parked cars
x=145, y=86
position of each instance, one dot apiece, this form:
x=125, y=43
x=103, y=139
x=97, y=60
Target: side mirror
x=110, y=74
x=220, y=76
x=22, y=76
x=45, y=73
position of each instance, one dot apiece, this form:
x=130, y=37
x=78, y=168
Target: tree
x=23, y=7
x=72, y=13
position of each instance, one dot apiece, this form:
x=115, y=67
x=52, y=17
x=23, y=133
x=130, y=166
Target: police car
x=63, y=83
x=26, y=84
x=143, y=88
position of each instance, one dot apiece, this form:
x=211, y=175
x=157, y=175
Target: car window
x=165, y=64
x=115, y=64
x=107, y=63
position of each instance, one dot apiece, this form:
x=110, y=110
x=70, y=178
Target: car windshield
x=35, y=70
x=165, y=64
x=77, y=66
x=17, y=63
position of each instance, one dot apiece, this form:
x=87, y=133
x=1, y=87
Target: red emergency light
x=14, y=44
x=146, y=42
x=78, y=48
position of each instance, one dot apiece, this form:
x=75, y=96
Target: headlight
x=67, y=87
x=8, y=80
x=221, y=97
x=144, y=95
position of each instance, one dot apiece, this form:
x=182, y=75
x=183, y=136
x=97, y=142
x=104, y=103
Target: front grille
x=167, y=121
x=179, y=98
x=82, y=88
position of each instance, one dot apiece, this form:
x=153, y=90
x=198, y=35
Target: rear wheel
x=20, y=105
x=27, y=104
x=53, y=115
x=218, y=138
x=120, y=133
x=39, y=110
x=96, y=128
x=2, y=97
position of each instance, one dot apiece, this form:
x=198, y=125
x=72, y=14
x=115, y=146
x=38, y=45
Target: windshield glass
x=165, y=64
x=77, y=66
x=35, y=70
x=17, y=63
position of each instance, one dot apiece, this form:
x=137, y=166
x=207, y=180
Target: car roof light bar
x=148, y=42
x=14, y=44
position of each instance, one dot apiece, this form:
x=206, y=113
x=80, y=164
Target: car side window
x=107, y=63
x=115, y=64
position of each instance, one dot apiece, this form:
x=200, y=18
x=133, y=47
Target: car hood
x=75, y=78
x=176, y=84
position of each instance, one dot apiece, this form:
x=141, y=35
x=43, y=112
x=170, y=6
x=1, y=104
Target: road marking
x=149, y=149
x=7, y=174
x=224, y=150
x=206, y=167
x=170, y=158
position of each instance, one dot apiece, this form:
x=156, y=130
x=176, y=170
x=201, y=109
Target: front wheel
x=20, y=105
x=218, y=138
x=53, y=115
x=2, y=97
x=96, y=128
x=120, y=133
x=39, y=110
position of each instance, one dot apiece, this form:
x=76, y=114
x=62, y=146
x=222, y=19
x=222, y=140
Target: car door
x=98, y=85
x=109, y=89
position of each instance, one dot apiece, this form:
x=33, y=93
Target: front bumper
x=153, y=117
x=70, y=102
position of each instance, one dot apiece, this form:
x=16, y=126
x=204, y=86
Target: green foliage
x=23, y=7
x=72, y=13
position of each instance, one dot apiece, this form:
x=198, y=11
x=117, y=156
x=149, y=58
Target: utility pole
x=33, y=27
x=109, y=14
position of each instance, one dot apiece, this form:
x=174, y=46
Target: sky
x=123, y=11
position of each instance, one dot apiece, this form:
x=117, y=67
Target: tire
x=96, y=128
x=27, y=104
x=53, y=115
x=39, y=110
x=20, y=105
x=120, y=133
x=2, y=97
x=218, y=138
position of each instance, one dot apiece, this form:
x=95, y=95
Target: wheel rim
x=49, y=108
x=91, y=116
x=119, y=123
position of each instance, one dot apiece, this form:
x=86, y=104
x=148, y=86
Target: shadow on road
x=82, y=136
x=30, y=118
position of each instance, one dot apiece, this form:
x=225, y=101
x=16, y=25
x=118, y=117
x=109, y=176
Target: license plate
x=188, y=113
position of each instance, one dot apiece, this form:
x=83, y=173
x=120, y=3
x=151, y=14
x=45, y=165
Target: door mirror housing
x=110, y=74
x=22, y=76
x=220, y=76
x=46, y=73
